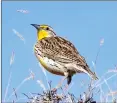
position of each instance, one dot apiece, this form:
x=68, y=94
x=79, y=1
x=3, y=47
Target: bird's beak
x=36, y=26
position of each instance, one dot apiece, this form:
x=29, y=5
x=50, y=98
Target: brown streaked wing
x=60, y=50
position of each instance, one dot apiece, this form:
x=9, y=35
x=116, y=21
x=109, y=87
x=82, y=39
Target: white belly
x=51, y=66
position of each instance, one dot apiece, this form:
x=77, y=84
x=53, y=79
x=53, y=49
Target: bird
x=58, y=55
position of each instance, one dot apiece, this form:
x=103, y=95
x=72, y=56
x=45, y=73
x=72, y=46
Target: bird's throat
x=42, y=34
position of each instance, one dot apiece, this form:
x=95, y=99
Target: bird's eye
x=47, y=28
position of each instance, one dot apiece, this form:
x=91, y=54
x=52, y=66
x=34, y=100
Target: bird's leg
x=69, y=78
x=60, y=83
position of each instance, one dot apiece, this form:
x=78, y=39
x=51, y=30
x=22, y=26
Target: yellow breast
x=43, y=63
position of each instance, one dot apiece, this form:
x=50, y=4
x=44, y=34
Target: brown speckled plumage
x=58, y=55
x=63, y=52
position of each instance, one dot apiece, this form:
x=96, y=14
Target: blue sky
x=83, y=23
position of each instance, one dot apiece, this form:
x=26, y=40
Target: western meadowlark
x=58, y=55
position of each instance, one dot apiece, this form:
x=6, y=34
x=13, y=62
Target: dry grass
x=49, y=96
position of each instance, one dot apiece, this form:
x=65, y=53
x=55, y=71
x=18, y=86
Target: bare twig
x=114, y=93
x=41, y=84
x=12, y=58
x=18, y=87
x=6, y=91
x=101, y=43
x=15, y=93
x=102, y=94
x=27, y=96
x=19, y=35
x=23, y=11
x=43, y=70
x=106, y=79
x=109, y=88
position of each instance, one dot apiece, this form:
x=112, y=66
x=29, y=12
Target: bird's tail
x=92, y=74
x=88, y=71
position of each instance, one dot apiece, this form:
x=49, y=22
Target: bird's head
x=43, y=31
